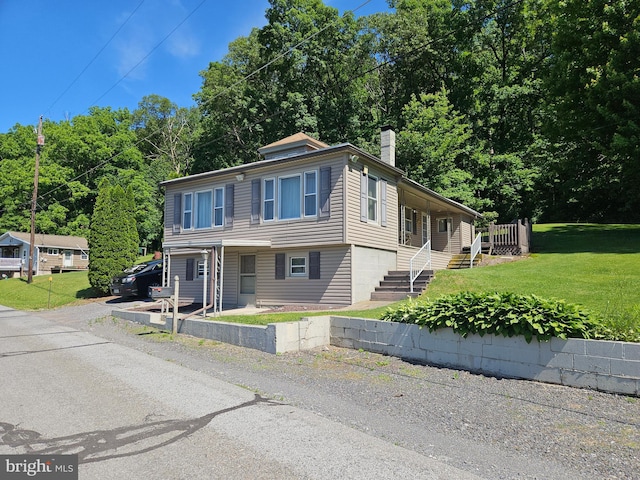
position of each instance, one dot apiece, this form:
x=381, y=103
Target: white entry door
x=67, y=260
x=247, y=293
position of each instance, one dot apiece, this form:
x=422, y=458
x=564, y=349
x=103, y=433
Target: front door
x=247, y=294
x=67, y=261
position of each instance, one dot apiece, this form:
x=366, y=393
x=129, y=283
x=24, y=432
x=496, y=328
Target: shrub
x=508, y=314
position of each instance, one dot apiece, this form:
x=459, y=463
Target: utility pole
x=34, y=201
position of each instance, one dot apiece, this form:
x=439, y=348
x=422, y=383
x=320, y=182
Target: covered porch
x=200, y=266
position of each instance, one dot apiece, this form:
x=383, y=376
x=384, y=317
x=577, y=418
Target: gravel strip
x=494, y=428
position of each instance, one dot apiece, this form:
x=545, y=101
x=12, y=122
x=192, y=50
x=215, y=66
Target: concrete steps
x=397, y=286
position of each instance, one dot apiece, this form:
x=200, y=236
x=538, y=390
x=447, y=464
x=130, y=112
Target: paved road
x=131, y=415
x=137, y=404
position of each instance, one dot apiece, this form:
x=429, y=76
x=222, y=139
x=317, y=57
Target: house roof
x=316, y=148
x=297, y=140
x=440, y=198
x=346, y=148
x=50, y=241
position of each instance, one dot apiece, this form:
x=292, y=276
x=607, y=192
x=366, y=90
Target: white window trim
x=265, y=199
x=185, y=211
x=305, y=194
x=199, y=273
x=219, y=207
x=195, y=209
x=304, y=266
x=53, y=251
x=377, y=199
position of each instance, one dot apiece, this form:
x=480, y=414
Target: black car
x=135, y=281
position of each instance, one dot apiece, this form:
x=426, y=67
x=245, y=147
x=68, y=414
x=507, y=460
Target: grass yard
x=596, y=266
x=66, y=288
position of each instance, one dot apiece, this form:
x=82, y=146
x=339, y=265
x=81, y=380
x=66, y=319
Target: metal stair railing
x=423, y=254
x=476, y=247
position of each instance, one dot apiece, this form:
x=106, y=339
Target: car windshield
x=135, y=268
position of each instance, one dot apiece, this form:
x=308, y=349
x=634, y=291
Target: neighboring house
x=51, y=253
x=309, y=224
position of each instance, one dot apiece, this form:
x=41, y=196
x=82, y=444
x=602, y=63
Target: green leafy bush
x=504, y=313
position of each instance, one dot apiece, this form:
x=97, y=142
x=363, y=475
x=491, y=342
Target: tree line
x=514, y=107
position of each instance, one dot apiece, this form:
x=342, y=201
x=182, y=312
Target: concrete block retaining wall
x=273, y=338
x=600, y=365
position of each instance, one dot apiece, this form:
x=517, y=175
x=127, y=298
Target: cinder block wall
x=601, y=365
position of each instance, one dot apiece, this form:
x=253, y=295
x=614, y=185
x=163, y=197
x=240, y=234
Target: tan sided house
x=51, y=253
x=309, y=224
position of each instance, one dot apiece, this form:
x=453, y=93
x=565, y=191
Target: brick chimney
x=388, y=145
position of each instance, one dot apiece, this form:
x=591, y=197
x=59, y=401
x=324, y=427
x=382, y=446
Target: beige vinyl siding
x=366, y=233
x=439, y=260
x=304, y=231
x=369, y=266
x=456, y=235
x=189, y=291
x=439, y=240
x=230, y=278
x=333, y=287
x=466, y=236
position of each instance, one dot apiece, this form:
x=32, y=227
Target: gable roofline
x=68, y=242
x=297, y=140
x=346, y=148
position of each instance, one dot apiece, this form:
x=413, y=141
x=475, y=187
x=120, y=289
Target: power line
x=95, y=57
x=150, y=53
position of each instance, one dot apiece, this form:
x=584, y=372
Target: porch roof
x=440, y=199
x=229, y=242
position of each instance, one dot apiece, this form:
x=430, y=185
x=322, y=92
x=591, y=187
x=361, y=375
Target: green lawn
x=63, y=289
x=597, y=266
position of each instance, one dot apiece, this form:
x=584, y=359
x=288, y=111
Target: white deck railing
x=12, y=264
x=476, y=247
x=421, y=260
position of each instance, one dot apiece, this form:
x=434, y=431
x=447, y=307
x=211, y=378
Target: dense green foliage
x=502, y=313
x=519, y=108
x=114, y=238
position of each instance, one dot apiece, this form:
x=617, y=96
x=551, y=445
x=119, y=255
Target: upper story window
x=269, y=200
x=188, y=211
x=310, y=194
x=289, y=197
x=372, y=199
x=218, y=207
x=203, y=209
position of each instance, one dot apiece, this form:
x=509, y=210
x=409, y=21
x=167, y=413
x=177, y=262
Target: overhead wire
x=244, y=79
x=133, y=12
x=252, y=74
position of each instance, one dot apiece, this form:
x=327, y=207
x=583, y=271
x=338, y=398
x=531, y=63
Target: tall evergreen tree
x=113, y=241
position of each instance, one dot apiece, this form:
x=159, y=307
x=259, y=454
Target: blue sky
x=59, y=58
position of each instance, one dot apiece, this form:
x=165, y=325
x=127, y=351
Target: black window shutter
x=280, y=266
x=383, y=203
x=314, y=265
x=189, y=275
x=177, y=212
x=255, y=201
x=364, y=180
x=228, y=205
x=325, y=191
